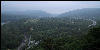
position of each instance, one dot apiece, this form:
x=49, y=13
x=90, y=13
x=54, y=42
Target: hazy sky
x=54, y=7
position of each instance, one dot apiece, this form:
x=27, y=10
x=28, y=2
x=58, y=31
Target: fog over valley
x=53, y=7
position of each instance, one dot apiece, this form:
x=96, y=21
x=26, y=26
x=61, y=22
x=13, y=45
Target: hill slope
x=83, y=13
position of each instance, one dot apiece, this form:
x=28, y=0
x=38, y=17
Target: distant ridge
x=82, y=13
x=28, y=13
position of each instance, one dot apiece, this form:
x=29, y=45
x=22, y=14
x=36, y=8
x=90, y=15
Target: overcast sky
x=54, y=7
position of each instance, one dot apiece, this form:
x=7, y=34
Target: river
x=2, y=23
x=93, y=24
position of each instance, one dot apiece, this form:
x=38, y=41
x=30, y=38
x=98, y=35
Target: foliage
x=54, y=33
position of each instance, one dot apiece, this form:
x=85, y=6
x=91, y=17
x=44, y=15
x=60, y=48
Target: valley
x=42, y=31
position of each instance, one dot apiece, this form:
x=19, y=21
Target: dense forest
x=50, y=33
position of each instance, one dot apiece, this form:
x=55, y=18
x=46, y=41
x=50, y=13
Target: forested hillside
x=52, y=33
x=83, y=13
x=16, y=15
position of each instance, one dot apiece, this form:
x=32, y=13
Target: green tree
x=93, y=39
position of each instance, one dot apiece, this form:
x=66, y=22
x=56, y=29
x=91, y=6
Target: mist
x=52, y=7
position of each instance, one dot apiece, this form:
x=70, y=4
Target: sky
x=53, y=7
